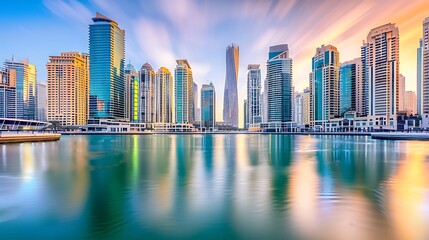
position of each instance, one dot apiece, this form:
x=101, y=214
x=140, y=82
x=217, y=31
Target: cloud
x=69, y=9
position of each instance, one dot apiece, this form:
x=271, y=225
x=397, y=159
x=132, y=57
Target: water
x=215, y=187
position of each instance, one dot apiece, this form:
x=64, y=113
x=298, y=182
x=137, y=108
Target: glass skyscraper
x=419, y=78
x=279, y=84
x=164, y=96
x=254, y=101
x=106, y=57
x=208, y=107
x=324, y=82
x=230, y=97
x=132, y=94
x=147, y=93
x=184, y=91
x=351, y=87
x=7, y=93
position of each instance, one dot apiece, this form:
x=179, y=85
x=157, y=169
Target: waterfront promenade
x=20, y=137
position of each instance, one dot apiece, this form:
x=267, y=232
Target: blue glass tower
x=208, y=107
x=106, y=58
x=349, y=86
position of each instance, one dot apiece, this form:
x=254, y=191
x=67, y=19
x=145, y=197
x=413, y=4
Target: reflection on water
x=215, y=186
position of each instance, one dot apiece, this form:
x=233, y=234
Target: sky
x=159, y=32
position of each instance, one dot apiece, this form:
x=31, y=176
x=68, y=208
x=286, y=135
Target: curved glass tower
x=106, y=69
x=230, y=97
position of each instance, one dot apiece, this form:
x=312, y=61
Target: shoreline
x=6, y=138
x=222, y=133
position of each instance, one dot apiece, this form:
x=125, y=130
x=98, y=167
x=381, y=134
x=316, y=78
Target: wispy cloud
x=69, y=9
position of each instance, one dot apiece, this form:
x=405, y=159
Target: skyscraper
x=382, y=72
x=425, y=68
x=164, y=96
x=420, y=77
x=42, y=101
x=67, y=86
x=298, y=107
x=279, y=84
x=401, y=96
x=230, y=97
x=410, y=102
x=183, y=88
x=7, y=93
x=306, y=98
x=147, y=89
x=254, y=101
x=132, y=94
x=195, y=109
x=208, y=107
x=324, y=82
x=351, y=87
x=107, y=56
x=23, y=75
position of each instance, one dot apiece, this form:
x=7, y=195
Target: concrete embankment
x=28, y=137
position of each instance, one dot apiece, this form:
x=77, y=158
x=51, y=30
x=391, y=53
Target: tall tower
x=351, y=87
x=106, y=57
x=382, y=71
x=254, y=99
x=7, y=93
x=279, y=84
x=42, y=101
x=420, y=77
x=425, y=68
x=208, y=107
x=132, y=94
x=183, y=87
x=324, y=82
x=147, y=90
x=230, y=97
x=68, y=91
x=164, y=96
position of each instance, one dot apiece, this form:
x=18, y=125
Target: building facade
x=183, y=88
x=351, y=87
x=7, y=93
x=420, y=78
x=401, y=91
x=381, y=61
x=410, y=102
x=147, y=91
x=107, y=59
x=254, y=97
x=424, y=66
x=230, y=98
x=42, y=101
x=195, y=109
x=68, y=88
x=324, y=82
x=164, y=96
x=208, y=107
x=279, y=84
x=23, y=75
x=132, y=94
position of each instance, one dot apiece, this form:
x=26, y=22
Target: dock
x=13, y=137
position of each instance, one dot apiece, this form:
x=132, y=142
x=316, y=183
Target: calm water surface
x=215, y=186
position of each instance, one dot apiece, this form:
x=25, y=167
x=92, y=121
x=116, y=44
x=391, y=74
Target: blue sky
x=199, y=30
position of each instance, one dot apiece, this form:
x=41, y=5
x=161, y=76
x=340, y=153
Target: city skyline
x=65, y=23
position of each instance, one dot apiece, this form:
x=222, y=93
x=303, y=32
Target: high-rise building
x=7, y=93
x=132, y=94
x=183, y=88
x=147, y=89
x=380, y=59
x=410, y=102
x=265, y=102
x=306, y=96
x=197, y=115
x=68, y=88
x=279, y=84
x=424, y=66
x=106, y=57
x=23, y=75
x=298, y=107
x=420, y=78
x=246, y=114
x=164, y=96
x=208, y=107
x=230, y=97
x=324, y=82
x=351, y=87
x=401, y=96
x=42, y=101
x=254, y=101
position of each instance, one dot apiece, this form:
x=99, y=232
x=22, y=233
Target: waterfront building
x=164, y=96
x=132, y=94
x=68, y=88
x=183, y=88
x=42, y=101
x=7, y=93
x=246, y=114
x=279, y=84
x=23, y=75
x=324, y=84
x=351, y=87
x=195, y=109
x=208, y=107
x=410, y=102
x=254, y=101
x=265, y=102
x=230, y=99
x=107, y=56
x=306, y=96
x=147, y=90
x=297, y=108
x=401, y=91
x=380, y=54
x=423, y=70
